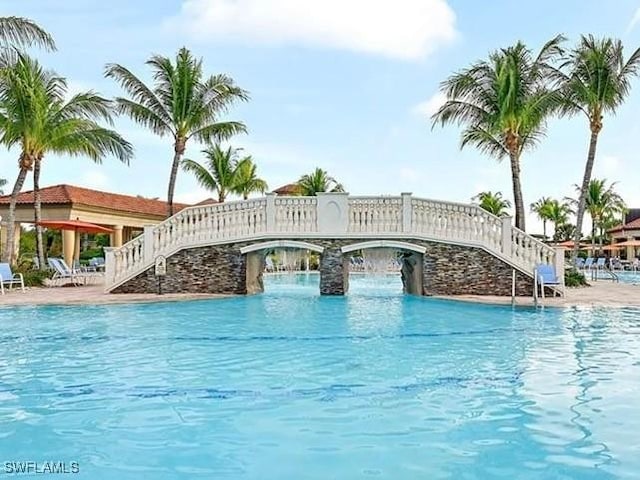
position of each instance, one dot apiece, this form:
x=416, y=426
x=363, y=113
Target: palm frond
x=144, y=116
x=138, y=91
x=204, y=178
x=218, y=132
x=23, y=32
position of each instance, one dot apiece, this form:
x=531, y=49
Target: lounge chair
x=62, y=273
x=601, y=263
x=580, y=263
x=97, y=263
x=7, y=277
x=546, y=277
x=588, y=263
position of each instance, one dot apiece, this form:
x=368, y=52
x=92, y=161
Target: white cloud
x=430, y=106
x=406, y=29
x=634, y=20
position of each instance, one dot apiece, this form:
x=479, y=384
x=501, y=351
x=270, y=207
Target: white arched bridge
x=447, y=248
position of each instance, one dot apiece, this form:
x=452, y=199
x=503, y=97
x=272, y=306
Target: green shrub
x=91, y=253
x=34, y=278
x=573, y=278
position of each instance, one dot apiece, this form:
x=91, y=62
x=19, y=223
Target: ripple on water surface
x=292, y=385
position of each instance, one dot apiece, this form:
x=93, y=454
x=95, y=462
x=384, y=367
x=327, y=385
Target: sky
x=345, y=85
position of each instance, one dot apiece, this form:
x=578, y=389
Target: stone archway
x=255, y=259
x=412, y=261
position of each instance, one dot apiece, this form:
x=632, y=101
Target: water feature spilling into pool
x=289, y=384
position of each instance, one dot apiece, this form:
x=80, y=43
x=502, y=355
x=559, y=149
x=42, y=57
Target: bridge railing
x=329, y=215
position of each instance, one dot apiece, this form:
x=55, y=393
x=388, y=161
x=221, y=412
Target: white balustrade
x=296, y=214
x=358, y=217
x=375, y=214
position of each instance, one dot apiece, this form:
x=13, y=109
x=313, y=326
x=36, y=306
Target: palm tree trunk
x=8, y=254
x=37, y=213
x=172, y=181
x=582, y=201
x=544, y=229
x=222, y=196
x=517, y=191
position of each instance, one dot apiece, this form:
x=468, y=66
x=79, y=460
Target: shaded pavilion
x=125, y=215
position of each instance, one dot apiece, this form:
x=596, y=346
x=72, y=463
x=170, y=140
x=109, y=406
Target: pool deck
x=598, y=294
x=90, y=295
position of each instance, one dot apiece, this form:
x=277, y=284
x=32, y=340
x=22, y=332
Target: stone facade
x=334, y=271
x=446, y=270
x=214, y=269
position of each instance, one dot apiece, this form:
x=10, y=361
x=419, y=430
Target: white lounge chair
x=62, y=273
x=7, y=277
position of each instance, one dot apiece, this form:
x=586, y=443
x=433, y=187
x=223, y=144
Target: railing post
x=333, y=212
x=558, y=263
x=406, y=212
x=271, y=212
x=109, y=265
x=148, y=243
x=506, y=236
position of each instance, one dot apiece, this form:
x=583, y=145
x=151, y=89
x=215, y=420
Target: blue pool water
x=292, y=385
x=629, y=277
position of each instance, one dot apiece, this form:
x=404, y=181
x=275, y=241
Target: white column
x=558, y=263
x=506, y=236
x=271, y=212
x=333, y=212
x=148, y=243
x=406, y=212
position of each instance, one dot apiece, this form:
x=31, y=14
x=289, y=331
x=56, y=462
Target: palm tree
x=503, y=104
x=597, y=81
x=22, y=32
x=3, y=182
x=602, y=202
x=35, y=115
x=542, y=209
x=558, y=214
x=318, y=181
x=493, y=203
x=247, y=180
x=218, y=173
x=181, y=104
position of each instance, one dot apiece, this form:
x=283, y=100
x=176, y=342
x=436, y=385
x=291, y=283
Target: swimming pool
x=292, y=385
x=629, y=277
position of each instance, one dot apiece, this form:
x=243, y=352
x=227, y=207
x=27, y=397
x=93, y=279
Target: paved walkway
x=90, y=295
x=599, y=294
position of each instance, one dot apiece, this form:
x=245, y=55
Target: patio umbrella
x=617, y=246
x=77, y=226
x=628, y=243
x=570, y=244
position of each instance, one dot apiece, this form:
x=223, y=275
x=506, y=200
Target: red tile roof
x=634, y=225
x=72, y=195
x=288, y=189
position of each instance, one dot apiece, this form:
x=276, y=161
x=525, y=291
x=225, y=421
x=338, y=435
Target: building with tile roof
x=126, y=215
